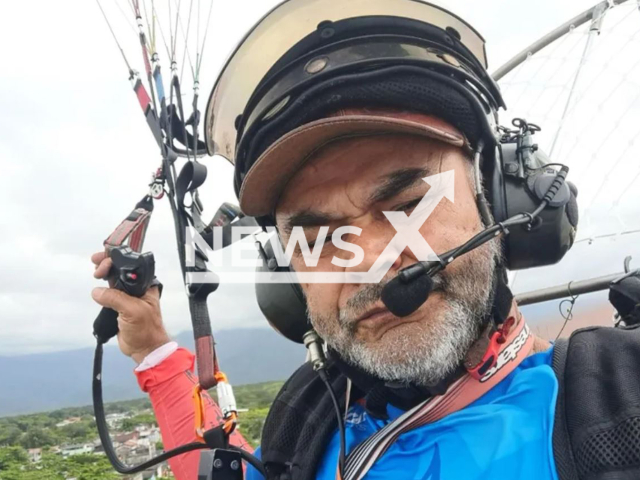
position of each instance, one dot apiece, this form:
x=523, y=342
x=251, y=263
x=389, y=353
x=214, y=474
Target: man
x=345, y=150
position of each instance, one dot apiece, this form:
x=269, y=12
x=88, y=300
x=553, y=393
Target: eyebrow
x=396, y=182
x=392, y=185
x=308, y=219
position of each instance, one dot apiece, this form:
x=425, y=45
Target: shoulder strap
x=597, y=431
x=300, y=424
x=563, y=455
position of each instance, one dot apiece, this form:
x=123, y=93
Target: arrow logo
x=408, y=234
x=408, y=226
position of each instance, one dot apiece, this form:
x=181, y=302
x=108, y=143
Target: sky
x=75, y=157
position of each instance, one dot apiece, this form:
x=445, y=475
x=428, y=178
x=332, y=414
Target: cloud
x=76, y=155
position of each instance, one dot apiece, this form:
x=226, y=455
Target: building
x=125, y=437
x=79, y=449
x=68, y=421
x=114, y=419
x=159, y=471
x=35, y=455
x=133, y=455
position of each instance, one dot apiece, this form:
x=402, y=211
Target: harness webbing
x=133, y=228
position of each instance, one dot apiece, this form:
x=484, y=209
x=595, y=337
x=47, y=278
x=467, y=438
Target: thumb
x=112, y=298
x=152, y=294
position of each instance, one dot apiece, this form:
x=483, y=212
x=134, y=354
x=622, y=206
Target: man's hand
x=139, y=321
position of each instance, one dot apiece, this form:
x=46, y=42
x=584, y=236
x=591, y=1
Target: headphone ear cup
x=572, y=206
x=282, y=304
x=553, y=232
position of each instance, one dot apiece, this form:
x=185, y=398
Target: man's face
x=352, y=182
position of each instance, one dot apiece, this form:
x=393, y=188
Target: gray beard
x=431, y=350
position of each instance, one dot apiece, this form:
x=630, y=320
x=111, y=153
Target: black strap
x=179, y=132
x=562, y=452
x=227, y=232
x=192, y=176
x=216, y=438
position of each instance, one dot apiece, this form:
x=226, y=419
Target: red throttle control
x=132, y=273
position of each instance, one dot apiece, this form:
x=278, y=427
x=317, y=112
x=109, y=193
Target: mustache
x=365, y=298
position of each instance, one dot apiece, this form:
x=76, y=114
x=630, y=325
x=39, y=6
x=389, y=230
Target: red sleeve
x=170, y=387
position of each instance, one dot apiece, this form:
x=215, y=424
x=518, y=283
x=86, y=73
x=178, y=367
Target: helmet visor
x=285, y=26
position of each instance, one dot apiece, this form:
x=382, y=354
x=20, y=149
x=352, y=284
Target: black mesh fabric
x=397, y=88
x=300, y=424
x=599, y=405
x=609, y=449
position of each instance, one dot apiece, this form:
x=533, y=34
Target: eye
x=328, y=240
x=314, y=239
x=409, y=205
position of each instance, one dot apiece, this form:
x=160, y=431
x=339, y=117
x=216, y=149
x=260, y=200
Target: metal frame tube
x=551, y=37
x=570, y=289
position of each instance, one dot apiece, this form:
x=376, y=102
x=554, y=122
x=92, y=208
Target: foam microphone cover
x=402, y=299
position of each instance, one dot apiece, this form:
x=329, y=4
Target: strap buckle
x=156, y=187
x=199, y=409
x=226, y=401
x=490, y=356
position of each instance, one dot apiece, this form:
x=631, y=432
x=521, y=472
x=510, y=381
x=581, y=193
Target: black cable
x=519, y=219
x=322, y=373
x=103, y=429
x=491, y=232
x=105, y=438
x=569, y=315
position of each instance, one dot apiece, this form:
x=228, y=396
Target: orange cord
x=199, y=408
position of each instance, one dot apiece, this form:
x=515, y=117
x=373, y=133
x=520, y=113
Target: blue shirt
x=506, y=433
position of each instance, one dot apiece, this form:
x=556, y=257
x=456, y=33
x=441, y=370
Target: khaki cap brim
x=267, y=178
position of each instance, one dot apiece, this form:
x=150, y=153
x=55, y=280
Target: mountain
x=40, y=382
x=47, y=381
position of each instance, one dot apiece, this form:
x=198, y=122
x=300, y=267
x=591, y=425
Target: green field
x=20, y=433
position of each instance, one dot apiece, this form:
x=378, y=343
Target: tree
x=147, y=419
x=250, y=425
x=37, y=438
x=90, y=467
x=77, y=432
x=15, y=466
x=9, y=435
x=12, y=455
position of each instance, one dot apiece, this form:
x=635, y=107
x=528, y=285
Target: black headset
x=516, y=181
x=517, y=175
